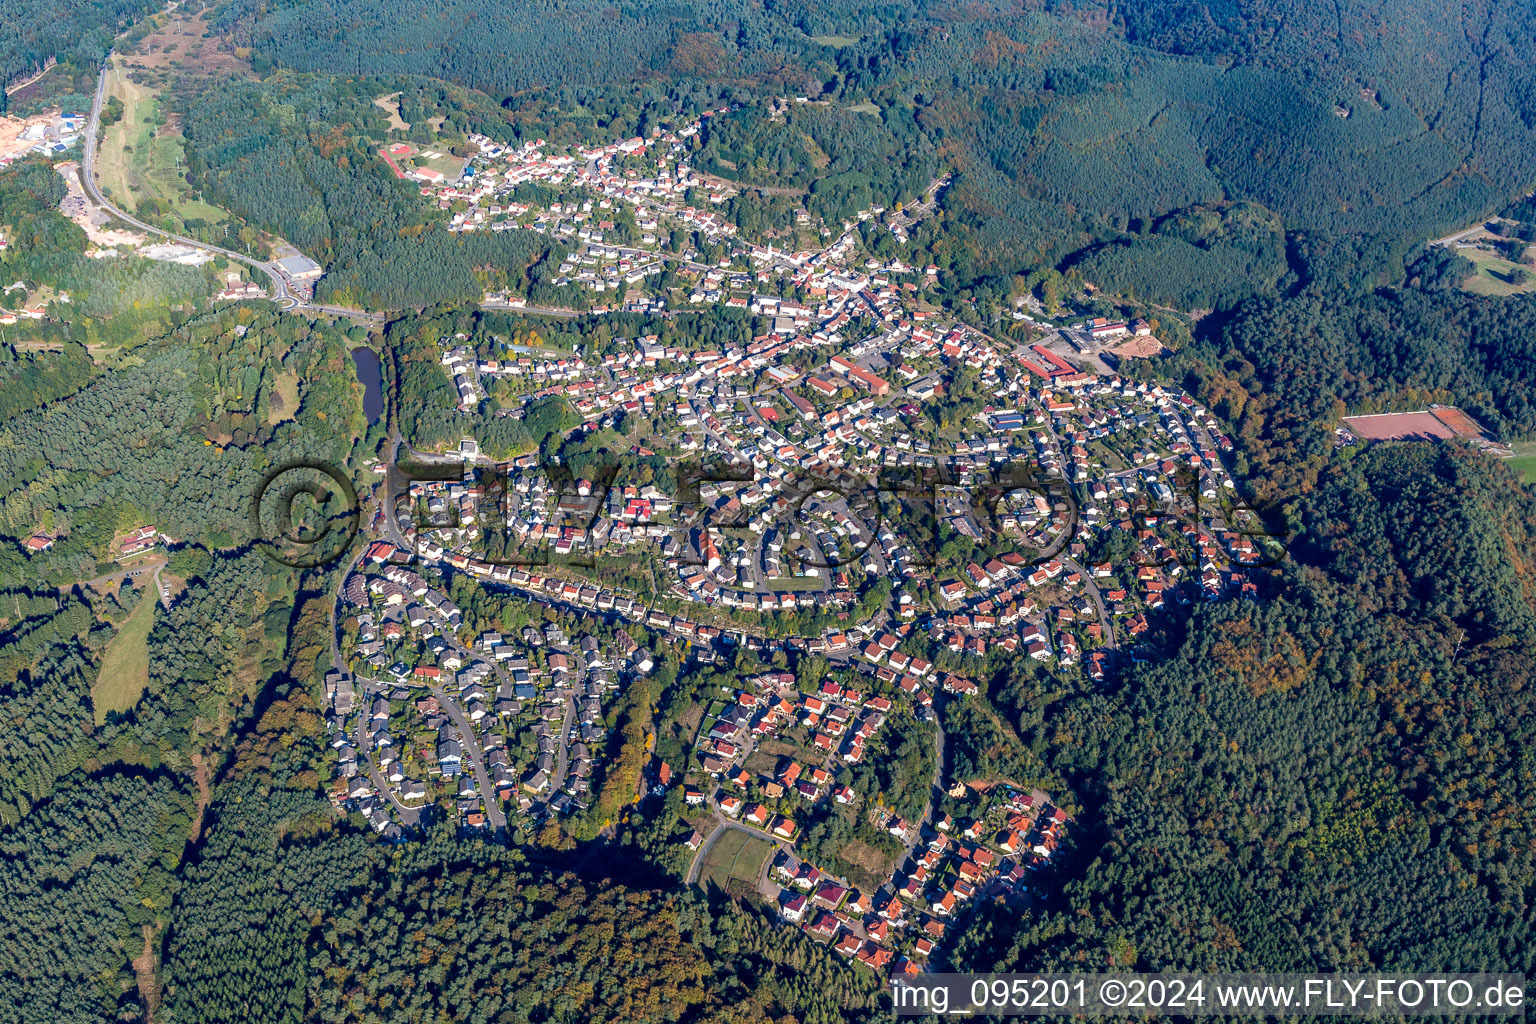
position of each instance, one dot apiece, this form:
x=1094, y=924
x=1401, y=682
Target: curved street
x=280, y=289
x=92, y=131
x=281, y=292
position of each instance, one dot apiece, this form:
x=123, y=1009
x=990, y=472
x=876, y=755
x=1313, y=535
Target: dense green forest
x=82, y=875
x=1337, y=777
x=844, y=160
x=112, y=301
x=33, y=31
x=31, y=379
x=285, y=913
x=299, y=156
x=1200, y=258
x=522, y=45
x=1067, y=128
x=1283, y=370
x=178, y=437
x=335, y=928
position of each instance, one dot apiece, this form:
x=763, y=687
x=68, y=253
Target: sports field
x=1523, y=463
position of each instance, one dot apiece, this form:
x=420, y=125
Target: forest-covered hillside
x=1335, y=778
x=1339, y=774
x=1068, y=127
x=36, y=31
x=94, y=300
x=298, y=156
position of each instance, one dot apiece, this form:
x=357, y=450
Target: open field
x=92, y=219
x=126, y=141
x=141, y=160
x=1523, y=463
x=1492, y=275
x=125, y=666
x=735, y=855
x=450, y=167
x=759, y=763
x=778, y=748
x=285, y=397
x=838, y=41
x=177, y=43
x=391, y=105
x=863, y=855
x=867, y=867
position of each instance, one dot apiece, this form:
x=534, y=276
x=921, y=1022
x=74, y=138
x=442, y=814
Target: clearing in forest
x=142, y=163
x=391, y=105
x=735, y=855
x=125, y=666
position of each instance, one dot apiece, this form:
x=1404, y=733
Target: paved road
x=337, y=661
x=461, y=722
x=136, y=571
x=723, y=826
x=281, y=292
x=163, y=592
x=1458, y=236
x=472, y=749
x=503, y=307
x=409, y=816
x=935, y=794
x=563, y=747
x=1098, y=599
x=92, y=131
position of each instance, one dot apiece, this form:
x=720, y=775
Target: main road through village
x=282, y=292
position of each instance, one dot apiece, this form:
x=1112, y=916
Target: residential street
x=409, y=816
x=472, y=752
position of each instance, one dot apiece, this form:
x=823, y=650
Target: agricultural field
x=125, y=666
x=736, y=857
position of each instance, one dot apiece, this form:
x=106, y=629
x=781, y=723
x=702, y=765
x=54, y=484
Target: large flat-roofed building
x=300, y=268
